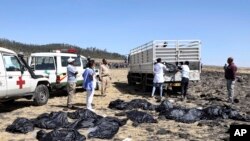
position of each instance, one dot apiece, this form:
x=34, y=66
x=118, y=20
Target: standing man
x=230, y=75
x=184, y=79
x=89, y=83
x=71, y=82
x=104, y=76
x=159, y=70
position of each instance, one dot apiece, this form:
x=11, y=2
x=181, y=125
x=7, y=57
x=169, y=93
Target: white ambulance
x=17, y=80
x=54, y=65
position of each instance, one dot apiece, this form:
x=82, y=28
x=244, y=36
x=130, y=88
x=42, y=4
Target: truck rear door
x=3, y=84
x=191, y=54
x=179, y=51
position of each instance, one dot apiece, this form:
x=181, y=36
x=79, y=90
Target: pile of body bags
x=106, y=127
x=63, y=130
x=181, y=114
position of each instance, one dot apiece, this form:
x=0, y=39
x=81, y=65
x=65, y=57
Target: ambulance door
x=84, y=62
x=3, y=85
x=18, y=80
x=79, y=67
x=44, y=65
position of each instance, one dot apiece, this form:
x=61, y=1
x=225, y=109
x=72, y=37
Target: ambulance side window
x=11, y=63
x=84, y=63
x=64, y=60
x=43, y=63
x=55, y=61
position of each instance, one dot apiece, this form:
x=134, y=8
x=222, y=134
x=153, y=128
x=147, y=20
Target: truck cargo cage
x=172, y=52
x=168, y=50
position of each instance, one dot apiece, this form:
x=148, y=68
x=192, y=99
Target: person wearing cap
x=184, y=78
x=159, y=70
x=71, y=81
x=230, y=75
x=104, y=76
x=89, y=83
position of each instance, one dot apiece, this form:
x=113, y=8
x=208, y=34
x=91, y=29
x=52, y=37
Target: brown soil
x=211, y=90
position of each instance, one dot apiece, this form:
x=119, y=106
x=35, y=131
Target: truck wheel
x=145, y=85
x=176, y=89
x=130, y=81
x=41, y=95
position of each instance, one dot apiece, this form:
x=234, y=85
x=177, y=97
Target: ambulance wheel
x=41, y=95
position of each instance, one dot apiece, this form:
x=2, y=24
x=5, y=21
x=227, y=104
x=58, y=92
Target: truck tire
x=130, y=80
x=130, y=83
x=176, y=89
x=41, y=95
x=144, y=84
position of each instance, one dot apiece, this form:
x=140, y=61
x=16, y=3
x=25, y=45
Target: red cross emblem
x=20, y=82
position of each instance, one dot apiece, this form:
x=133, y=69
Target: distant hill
x=27, y=49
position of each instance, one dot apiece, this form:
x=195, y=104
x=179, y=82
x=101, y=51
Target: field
x=220, y=69
x=209, y=91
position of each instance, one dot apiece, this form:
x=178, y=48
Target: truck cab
x=17, y=80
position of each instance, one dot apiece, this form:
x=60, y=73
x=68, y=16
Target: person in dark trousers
x=230, y=75
x=184, y=79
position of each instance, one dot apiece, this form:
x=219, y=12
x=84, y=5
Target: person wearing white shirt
x=159, y=70
x=71, y=82
x=184, y=79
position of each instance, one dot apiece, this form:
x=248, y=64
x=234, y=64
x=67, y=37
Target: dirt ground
x=211, y=90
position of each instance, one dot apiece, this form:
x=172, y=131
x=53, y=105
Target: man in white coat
x=159, y=71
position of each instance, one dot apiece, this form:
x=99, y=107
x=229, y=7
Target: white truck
x=172, y=52
x=17, y=80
